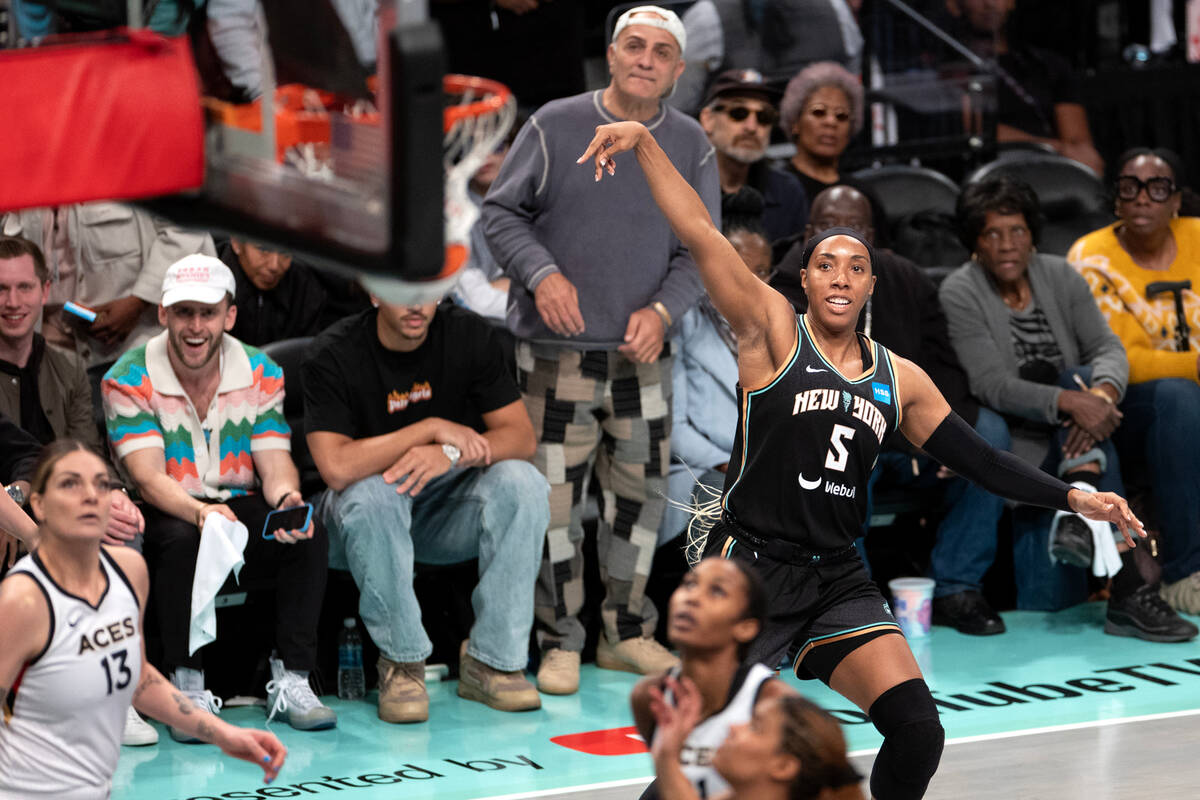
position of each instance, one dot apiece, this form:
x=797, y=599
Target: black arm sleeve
x=959, y=447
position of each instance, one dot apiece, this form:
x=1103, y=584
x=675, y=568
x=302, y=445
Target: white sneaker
x=290, y=696
x=191, y=683
x=137, y=731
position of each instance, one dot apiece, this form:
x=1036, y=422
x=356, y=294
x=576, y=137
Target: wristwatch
x=14, y=491
x=451, y=452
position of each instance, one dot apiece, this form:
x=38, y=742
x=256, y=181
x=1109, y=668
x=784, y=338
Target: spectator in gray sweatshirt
x=598, y=278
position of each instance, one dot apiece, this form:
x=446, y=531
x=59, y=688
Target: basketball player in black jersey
x=67, y=677
x=817, y=401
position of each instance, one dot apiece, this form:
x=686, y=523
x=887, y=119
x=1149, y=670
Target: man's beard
x=744, y=155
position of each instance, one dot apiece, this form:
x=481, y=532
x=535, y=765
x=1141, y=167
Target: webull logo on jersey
x=831, y=487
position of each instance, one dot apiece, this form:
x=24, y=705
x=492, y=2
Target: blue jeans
x=1160, y=439
x=1041, y=584
x=966, y=538
x=497, y=514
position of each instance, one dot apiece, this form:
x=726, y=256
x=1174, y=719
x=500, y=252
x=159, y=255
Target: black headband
x=811, y=246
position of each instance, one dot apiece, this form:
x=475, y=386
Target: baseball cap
x=742, y=81
x=199, y=278
x=655, y=17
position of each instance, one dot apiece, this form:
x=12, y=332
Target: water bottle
x=351, y=683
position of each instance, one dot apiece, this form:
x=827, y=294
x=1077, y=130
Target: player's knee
x=913, y=740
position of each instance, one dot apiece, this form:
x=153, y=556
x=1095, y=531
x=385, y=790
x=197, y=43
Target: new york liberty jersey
x=806, y=444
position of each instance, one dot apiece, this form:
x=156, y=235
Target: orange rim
x=495, y=96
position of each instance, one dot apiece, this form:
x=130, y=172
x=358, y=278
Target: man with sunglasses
x=1144, y=272
x=738, y=115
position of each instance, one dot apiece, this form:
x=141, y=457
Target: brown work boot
x=559, y=672
x=504, y=691
x=402, y=695
x=640, y=654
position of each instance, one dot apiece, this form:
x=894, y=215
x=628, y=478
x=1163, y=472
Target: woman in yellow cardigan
x=1144, y=271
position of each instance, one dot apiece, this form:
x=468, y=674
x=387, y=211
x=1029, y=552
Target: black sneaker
x=1071, y=542
x=1145, y=615
x=967, y=612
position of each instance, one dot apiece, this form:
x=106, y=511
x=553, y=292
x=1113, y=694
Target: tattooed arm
x=156, y=697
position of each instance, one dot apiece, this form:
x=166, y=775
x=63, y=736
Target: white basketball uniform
x=63, y=716
x=706, y=737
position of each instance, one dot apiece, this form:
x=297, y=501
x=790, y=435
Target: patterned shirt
x=146, y=407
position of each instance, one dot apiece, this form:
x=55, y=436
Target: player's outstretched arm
x=928, y=423
x=673, y=723
x=157, y=698
x=749, y=304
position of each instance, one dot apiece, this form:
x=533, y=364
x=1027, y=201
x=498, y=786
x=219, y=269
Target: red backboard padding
x=113, y=117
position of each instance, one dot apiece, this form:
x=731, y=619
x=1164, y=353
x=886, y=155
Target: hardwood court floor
x=1052, y=709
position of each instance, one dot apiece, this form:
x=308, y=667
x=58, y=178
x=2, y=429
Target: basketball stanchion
x=477, y=117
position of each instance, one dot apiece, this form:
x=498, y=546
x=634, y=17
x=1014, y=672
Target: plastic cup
x=912, y=603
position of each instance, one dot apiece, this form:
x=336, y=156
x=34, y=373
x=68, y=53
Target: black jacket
x=906, y=318
x=304, y=303
x=18, y=452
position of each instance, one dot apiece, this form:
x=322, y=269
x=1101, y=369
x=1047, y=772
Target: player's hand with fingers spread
x=557, y=302
x=616, y=137
x=475, y=449
x=643, y=336
x=1107, y=507
x=673, y=722
x=417, y=467
x=253, y=745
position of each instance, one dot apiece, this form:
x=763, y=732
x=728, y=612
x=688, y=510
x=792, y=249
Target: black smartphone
x=295, y=518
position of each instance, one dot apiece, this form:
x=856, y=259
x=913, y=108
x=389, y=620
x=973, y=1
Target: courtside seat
x=290, y=354
x=1073, y=198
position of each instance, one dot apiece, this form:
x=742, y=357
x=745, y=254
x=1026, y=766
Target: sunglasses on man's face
x=766, y=116
x=1157, y=189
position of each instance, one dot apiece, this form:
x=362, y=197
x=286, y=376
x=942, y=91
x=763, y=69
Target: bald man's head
x=840, y=206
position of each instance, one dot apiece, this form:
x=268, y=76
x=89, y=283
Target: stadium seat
x=289, y=354
x=1073, y=198
x=918, y=206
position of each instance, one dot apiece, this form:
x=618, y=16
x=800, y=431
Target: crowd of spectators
x=580, y=345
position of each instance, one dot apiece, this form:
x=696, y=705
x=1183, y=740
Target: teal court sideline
x=1050, y=671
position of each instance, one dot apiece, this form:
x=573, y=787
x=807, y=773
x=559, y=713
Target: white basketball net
x=465, y=147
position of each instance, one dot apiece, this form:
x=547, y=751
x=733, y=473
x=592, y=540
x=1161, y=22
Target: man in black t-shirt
x=422, y=437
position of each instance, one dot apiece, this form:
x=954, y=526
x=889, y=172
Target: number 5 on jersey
x=838, y=454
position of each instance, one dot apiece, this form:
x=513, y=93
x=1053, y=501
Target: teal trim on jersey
x=895, y=392
x=835, y=370
x=746, y=415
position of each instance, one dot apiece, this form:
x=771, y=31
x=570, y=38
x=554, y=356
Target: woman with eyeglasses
x=1144, y=272
x=1037, y=351
x=72, y=658
x=821, y=109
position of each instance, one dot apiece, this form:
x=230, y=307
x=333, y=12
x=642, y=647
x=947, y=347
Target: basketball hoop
x=477, y=117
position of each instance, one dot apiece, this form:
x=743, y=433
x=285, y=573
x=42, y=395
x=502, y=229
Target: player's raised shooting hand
x=609, y=140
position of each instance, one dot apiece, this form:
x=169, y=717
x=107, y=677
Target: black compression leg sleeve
x=912, y=741
x=959, y=447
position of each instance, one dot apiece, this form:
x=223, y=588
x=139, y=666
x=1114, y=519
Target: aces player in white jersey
x=817, y=401
x=71, y=653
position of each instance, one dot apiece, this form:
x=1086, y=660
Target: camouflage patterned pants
x=598, y=408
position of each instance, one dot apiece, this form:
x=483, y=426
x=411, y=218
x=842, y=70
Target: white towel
x=1106, y=561
x=222, y=543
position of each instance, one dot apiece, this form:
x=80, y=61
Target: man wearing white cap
x=597, y=279
x=196, y=418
